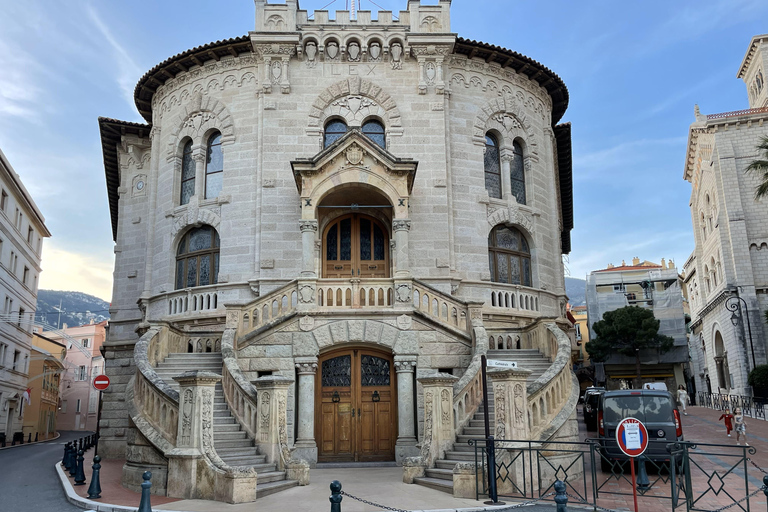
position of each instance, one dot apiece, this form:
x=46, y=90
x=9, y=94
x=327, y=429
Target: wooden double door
x=355, y=411
x=355, y=246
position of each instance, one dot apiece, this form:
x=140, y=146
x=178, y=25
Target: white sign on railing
x=495, y=363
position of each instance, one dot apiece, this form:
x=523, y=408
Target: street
x=29, y=480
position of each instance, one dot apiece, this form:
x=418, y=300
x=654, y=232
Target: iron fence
x=687, y=476
x=754, y=407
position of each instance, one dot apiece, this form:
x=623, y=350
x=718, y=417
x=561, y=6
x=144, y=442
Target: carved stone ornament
x=501, y=413
x=307, y=225
x=306, y=294
x=430, y=70
x=354, y=154
x=186, y=418
x=374, y=51
x=401, y=225
x=306, y=323
x=311, y=51
x=404, y=322
x=264, y=416
x=403, y=292
x=332, y=50
x=445, y=407
x=519, y=406
x=427, y=439
x=277, y=71
x=354, y=51
x=397, y=55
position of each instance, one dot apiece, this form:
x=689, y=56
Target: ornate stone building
x=329, y=221
x=729, y=265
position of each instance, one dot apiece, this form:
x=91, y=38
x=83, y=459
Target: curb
x=58, y=435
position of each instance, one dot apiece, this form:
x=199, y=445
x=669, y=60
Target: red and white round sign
x=101, y=382
x=632, y=437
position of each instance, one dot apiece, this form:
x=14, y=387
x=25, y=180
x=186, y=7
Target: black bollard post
x=643, y=483
x=492, y=492
x=80, y=471
x=765, y=485
x=96, y=443
x=560, y=497
x=29, y=438
x=36, y=436
x=65, y=459
x=145, y=505
x=87, y=442
x=73, y=460
x=80, y=444
x=94, y=491
x=70, y=451
x=336, y=496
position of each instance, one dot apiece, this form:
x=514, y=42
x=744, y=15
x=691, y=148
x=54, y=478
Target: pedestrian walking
x=728, y=421
x=682, y=398
x=741, y=426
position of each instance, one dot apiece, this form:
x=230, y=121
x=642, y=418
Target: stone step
x=235, y=443
x=447, y=463
x=225, y=427
x=192, y=355
x=222, y=420
x=222, y=414
x=463, y=447
x=237, y=451
x=461, y=455
x=258, y=462
x=463, y=439
x=272, y=487
x=228, y=436
x=219, y=406
x=433, y=483
x=265, y=477
x=443, y=474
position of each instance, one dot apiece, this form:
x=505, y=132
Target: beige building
x=727, y=274
x=45, y=371
x=345, y=215
x=22, y=229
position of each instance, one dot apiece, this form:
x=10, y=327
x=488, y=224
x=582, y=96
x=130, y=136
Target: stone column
x=272, y=432
x=308, y=230
x=505, y=158
x=305, y=447
x=438, y=416
x=401, y=227
x=406, y=431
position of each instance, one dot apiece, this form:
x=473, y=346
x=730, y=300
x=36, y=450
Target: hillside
x=76, y=308
x=576, y=289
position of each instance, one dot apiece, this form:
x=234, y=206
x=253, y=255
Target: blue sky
x=634, y=71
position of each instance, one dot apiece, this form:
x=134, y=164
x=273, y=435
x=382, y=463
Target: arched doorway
x=356, y=406
x=721, y=360
x=355, y=246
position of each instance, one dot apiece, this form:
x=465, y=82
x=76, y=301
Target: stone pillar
x=406, y=431
x=194, y=434
x=305, y=447
x=272, y=431
x=401, y=227
x=505, y=158
x=308, y=230
x=438, y=416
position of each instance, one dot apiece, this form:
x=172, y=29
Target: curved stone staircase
x=441, y=476
x=231, y=442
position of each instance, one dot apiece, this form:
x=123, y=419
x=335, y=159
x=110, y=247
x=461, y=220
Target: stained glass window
x=197, y=250
x=337, y=372
x=345, y=251
x=331, y=242
x=187, y=174
x=334, y=131
x=509, y=256
x=374, y=130
x=365, y=239
x=492, y=167
x=214, y=167
x=378, y=242
x=374, y=371
x=517, y=173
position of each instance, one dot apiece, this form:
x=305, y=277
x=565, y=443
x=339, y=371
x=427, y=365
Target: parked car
x=591, y=402
x=657, y=410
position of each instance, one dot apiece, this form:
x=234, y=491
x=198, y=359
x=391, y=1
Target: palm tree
x=761, y=166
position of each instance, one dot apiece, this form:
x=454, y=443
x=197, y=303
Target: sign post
x=100, y=383
x=632, y=438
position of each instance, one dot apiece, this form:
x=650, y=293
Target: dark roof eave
x=565, y=168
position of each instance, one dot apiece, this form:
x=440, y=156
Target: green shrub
x=758, y=379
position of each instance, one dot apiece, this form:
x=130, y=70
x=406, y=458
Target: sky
x=634, y=71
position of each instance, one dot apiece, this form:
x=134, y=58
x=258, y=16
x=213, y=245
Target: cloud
x=19, y=93
x=591, y=165
x=66, y=270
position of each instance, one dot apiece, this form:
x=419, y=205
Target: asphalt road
x=29, y=482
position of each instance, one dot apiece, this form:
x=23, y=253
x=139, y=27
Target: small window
x=187, y=174
x=517, y=173
x=86, y=342
x=30, y=235
x=334, y=130
x=197, y=258
x=3, y=200
x=510, y=257
x=77, y=407
x=374, y=130
x=22, y=312
x=20, y=222
x=83, y=374
x=16, y=361
x=492, y=166
x=25, y=276
x=214, y=167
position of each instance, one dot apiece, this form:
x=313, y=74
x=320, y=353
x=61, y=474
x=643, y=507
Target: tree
x=627, y=331
x=761, y=167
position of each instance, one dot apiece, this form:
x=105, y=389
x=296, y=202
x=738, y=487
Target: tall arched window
x=334, y=130
x=509, y=255
x=492, y=167
x=517, y=173
x=374, y=130
x=703, y=226
x=197, y=258
x=187, y=174
x=214, y=167
x=707, y=279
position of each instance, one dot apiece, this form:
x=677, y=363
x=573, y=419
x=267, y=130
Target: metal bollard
x=94, y=491
x=145, y=505
x=560, y=497
x=643, y=482
x=336, y=496
x=765, y=485
x=492, y=491
x=36, y=436
x=79, y=471
x=80, y=444
x=29, y=438
x=65, y=459
x=73, y=460
x=96, y=443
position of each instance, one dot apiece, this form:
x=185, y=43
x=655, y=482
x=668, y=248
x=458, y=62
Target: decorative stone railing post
x=401, y=227
x=195, y=431
x=306, y=447
x=511, y=417
x=308, y=230
x=406, y=438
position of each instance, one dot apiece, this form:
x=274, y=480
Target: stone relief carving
x=397, y=56
x=401, y=225
x=403, y=292
x=310, y=50
x=431, y=24
x=285, y=452
x=404, y=322
x=264, y=416
x=332, y=50
x=430, y=72
x=426, y=441
x=277, y=71
x=511, y=215
x=306, y=323
x=445, y=407
x=307, y=294
x=275, y=22
x=353, y=51
x=203, y=118
x=383, y=104
x=519, y=406
x=186, y=418
x=207, y=426
x=374, y=52
x=501, y=108
x=501, y=413
x=194, y=216
x=354, y=154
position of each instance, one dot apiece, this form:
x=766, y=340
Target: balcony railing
x=355, y=293
x=193, y=300
x=516, y=298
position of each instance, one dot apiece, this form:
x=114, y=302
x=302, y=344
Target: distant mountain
x=576, y=289
x=76, y=308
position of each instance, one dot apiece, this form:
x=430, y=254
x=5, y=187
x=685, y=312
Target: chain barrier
x=371, y=503
x=500, y=509
x=758, y=490
x=758, y=467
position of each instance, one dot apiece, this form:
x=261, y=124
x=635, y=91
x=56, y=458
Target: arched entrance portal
x=355, y=245
x=356, y=411
x=721, y=361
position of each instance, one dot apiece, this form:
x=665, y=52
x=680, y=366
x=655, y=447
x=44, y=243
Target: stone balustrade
x=263, y=310
x=468, y=394
x=434, y=303
x=514, y=297
x=238, y=391
x=355, y=293
x=193, y=300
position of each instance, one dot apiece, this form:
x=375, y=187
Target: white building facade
x=727, y=274
x=341, y=208
x=22, y=229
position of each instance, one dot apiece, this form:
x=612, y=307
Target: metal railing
x=754, y=407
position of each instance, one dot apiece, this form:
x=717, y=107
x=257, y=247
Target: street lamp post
x=732, y=304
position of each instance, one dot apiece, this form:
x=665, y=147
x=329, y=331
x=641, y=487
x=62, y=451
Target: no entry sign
x=632, y=437
x=101, y=382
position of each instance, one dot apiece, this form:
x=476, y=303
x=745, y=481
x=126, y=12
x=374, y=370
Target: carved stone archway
x=202, y=115
x=506, y=116
x=335, y=100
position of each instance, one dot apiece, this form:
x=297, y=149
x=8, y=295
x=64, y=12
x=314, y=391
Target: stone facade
x=730, y=261
x=270, y=96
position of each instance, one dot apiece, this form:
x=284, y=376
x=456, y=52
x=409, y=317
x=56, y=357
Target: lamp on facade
x=733, y=304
